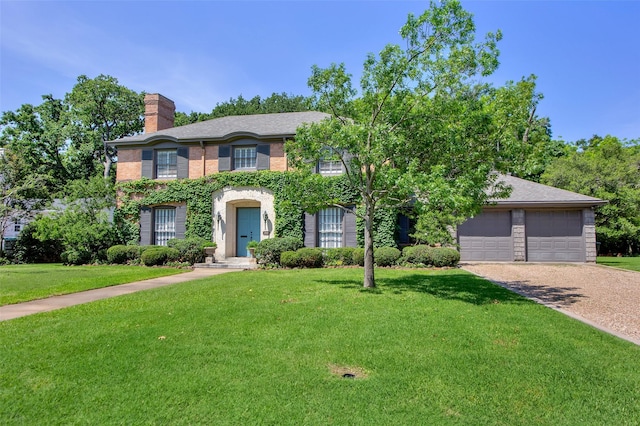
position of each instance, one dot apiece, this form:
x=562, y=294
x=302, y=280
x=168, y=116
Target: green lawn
x=270, y=347
x=21, y=283
x=631, y=263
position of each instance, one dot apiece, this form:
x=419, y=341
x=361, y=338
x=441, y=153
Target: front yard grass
x=21, y=283
x=630, y=263
x=271, y=347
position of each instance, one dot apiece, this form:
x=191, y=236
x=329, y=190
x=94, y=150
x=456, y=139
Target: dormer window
x=166, y=164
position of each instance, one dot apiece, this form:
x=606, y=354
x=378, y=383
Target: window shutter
x=310, y=230
x=181, y=219
x=146, y=232
x=183, y=162
x=224, y=158
x=147, y=163
x=262, y=157
x=350, y=235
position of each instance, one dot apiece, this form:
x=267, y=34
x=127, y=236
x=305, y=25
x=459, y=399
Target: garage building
x=537, y=223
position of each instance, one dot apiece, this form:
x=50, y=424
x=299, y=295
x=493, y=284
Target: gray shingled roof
x=531, y=194
x=259, y=125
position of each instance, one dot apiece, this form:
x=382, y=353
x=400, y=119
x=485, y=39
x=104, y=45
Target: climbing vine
x=287, y=188
x=385, y=224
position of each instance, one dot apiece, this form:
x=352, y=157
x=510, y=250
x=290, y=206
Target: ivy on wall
x=287, y=188
x=385, y=225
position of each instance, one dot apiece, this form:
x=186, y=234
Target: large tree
x=101, y=110
x=419, y=132
x=38, y=135
x=22, y=192
x=66, y=139
x=609, y=169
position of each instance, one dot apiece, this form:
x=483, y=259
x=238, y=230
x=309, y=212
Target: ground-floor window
x=330, y=227
x=164, y=225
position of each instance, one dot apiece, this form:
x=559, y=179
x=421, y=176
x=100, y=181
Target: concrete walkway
x=58, y=302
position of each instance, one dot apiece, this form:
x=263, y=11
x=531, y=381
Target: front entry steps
x=230, y=263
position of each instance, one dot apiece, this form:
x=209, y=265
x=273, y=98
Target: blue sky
x=586, y=54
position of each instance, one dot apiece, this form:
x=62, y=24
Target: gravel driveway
x=607, y=297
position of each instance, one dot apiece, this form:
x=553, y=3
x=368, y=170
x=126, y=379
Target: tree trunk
x=369, y=279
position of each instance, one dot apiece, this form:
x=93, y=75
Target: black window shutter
x=350, y=235
x=224, y=158
x=181, y=219
x=262, y=157
x=183, y=162
x=310, y=233
x=146, y=231
x=147, y=163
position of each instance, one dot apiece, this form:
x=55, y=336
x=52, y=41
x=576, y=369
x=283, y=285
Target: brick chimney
x=158, y=112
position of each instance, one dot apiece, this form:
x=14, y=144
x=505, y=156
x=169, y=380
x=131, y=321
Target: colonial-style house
x=537, y=223
x=228, y=144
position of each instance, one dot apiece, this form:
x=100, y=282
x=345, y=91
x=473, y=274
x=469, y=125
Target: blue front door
x=248, y=220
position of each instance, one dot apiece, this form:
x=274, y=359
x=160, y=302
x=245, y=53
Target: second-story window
x=329, y=164
x=166, y=163
x=329, y=167
x=244, y=157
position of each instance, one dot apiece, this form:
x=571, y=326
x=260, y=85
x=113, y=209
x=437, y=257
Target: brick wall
x=278, y=160
x=129, y=166
x=211, y=159
x=195, y=162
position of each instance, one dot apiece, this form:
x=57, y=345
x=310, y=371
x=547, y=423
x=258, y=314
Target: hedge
x=157, y=255
x=386, y=256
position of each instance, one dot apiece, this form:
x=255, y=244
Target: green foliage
x=419, y=132
x=22, y=192
x=385, y=223
x=605, y=168
x=196, y=193
x=309, y=257
x=268, y=251
x=191, y=250
x=340, y=256
x=158, y=256
x=121, y=254
x=358, y=257
x=289, y=259
x=30, y=249
x=386, y=256
x=65, y=139
x=423, y=255
x=100, y=110
x=77, y=256
x=444, y=256
x=417, y=255
x=82, y=227
x=38, y=136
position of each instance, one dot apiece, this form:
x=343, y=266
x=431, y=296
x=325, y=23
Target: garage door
x=486, y=237
x=554, y=236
